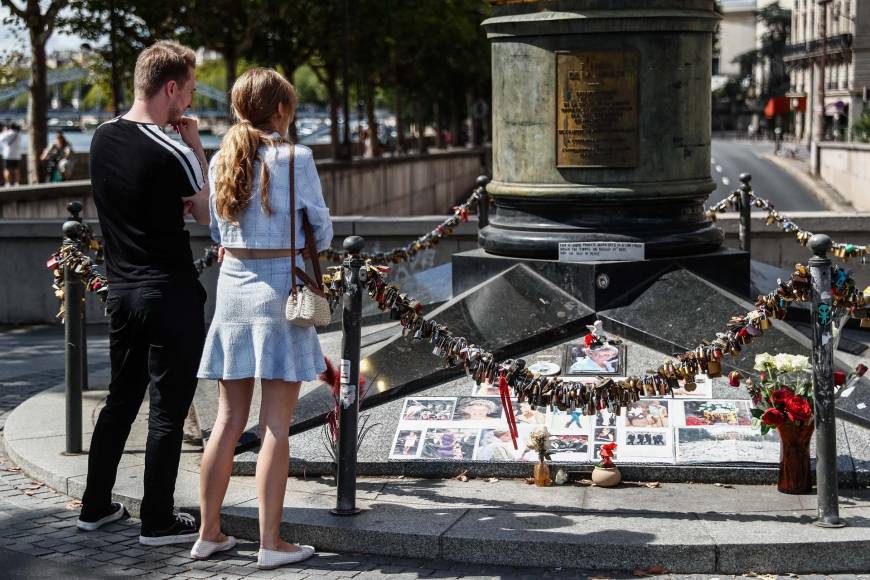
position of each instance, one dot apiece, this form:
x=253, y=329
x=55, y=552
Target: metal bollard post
x=482, y=203
x=823, y=384
x=745, y=230
x=73, y=294
x=75, y=209
x=348, y=409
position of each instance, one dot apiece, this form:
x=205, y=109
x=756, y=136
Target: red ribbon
x=505, y=393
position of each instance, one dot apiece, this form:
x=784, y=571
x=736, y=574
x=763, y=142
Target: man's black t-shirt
x=139, y=176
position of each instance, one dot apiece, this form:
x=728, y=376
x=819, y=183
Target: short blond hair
x=160, y=63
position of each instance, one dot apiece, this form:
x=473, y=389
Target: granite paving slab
x=381, y=528
x=597, y=540
x=744, y=542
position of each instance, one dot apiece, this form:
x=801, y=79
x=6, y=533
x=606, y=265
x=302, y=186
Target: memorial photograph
x=716, y=412
x=477, y=409
x=579, y=359
x=568, y=448
x=724, y=445
x=428, y=409
x=407, y=443
x=449, y=443
x=648, y=413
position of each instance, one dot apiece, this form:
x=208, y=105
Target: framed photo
x=608, y=359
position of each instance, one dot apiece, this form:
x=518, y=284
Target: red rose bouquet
x=784, y=393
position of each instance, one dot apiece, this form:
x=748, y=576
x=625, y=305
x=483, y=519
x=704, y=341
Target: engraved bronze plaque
x=596, y=109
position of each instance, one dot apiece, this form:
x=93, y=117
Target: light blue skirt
x=249, y=335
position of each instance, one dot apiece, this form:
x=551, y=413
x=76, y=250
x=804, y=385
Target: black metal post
x=348, y=408
x=73, y=294
x=482, y=203
x=745, y=228
x=75, y=209
x=823, y=384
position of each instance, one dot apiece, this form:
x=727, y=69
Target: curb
x=827, y=195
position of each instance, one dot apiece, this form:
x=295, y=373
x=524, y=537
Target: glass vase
x=795, y=475
x=542, y=474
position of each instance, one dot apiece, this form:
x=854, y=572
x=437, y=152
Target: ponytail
x=234, y=176
x=255, y=97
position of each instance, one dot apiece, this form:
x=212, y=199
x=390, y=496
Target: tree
x=40, y=26
x=228, y=27
x=285, y=40
x=777, y=29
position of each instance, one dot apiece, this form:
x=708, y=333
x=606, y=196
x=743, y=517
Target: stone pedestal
x=601, y=125
x=602, y=285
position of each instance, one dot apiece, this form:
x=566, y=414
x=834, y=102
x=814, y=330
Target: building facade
x=736, y=35
x=847, y=65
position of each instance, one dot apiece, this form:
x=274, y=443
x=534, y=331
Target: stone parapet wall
x=26, y=296
x=388, y=186
x=846, y=167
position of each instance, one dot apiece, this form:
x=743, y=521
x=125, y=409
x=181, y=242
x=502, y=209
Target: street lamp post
x=820, y=88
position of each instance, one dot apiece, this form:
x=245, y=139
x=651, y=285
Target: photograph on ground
x=724, y=445
x=449, y=443
x=407, y=443
x=648, y=413
x=477, y=409
x=716, y=412
x=428, y=409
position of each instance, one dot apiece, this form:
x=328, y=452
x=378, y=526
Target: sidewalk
x=681, y=527
x=799, y=168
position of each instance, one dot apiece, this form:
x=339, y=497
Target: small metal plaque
x=596, y=109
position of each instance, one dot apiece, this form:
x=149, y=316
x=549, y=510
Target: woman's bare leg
x=276, y=412
x=217, y=459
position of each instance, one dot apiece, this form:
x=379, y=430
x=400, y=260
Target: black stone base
x=603, y=285
x=530, y=227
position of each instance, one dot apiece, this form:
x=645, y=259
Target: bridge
x=56, y=78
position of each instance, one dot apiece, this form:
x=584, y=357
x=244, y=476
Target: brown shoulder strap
x=312, y=248
x=293, y=218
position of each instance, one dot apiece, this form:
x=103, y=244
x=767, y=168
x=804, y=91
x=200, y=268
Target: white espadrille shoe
x=269, y=559
x=203, y=549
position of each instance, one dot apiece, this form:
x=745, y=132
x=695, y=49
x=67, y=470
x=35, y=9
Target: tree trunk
x=289, y=68
x=372, y=121
x=37, y=109
x=400, y=124
x=117, y=85
x=421, y=125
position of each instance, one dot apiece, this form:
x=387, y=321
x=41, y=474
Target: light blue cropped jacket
x=256, y=228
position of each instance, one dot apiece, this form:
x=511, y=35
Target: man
x=143, y=184
x=10, y=148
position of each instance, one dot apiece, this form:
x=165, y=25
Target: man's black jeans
x=156, y=335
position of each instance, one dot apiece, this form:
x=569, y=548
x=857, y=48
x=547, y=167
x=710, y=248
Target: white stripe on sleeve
x=193, y=183
x=188, y=155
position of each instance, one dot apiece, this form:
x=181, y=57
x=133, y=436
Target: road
x=730, y=158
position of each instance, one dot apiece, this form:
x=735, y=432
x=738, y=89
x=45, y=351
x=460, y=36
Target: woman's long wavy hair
x=255, y=98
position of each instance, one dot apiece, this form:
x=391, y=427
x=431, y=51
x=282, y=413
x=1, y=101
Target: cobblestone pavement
x=38, y=537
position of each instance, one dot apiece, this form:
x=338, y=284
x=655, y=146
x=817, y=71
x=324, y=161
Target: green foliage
x=861, y=128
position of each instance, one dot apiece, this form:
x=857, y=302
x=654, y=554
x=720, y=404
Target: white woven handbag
x=306, y=306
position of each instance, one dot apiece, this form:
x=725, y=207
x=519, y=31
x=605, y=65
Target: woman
x=249, y=336
x=56, y=158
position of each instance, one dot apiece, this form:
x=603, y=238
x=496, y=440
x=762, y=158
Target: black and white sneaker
x=182, y=531
x=90, y=523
